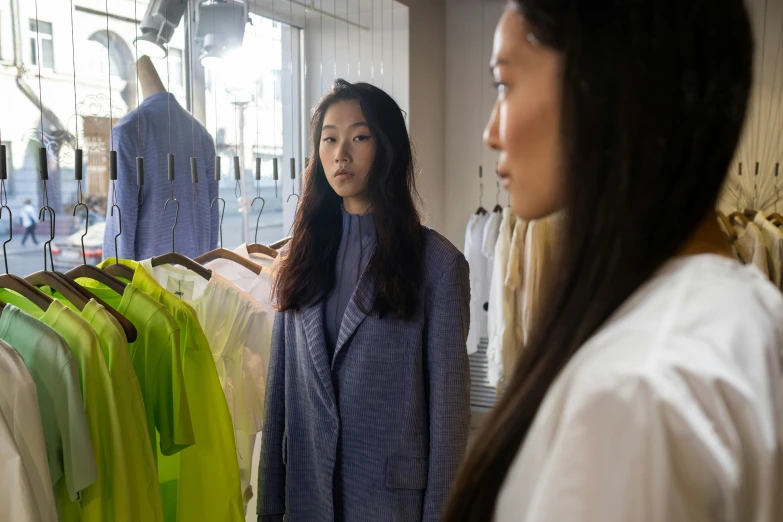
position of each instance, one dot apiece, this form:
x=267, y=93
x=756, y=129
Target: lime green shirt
x=157, y=364
x=108, y=497
x=202, y=481
x=141, y=480
x=55, y=372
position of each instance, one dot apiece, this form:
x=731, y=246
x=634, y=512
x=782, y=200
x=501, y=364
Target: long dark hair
x=307, y=273
x=653, y=102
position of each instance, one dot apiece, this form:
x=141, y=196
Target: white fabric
x=773, y=241
x=259, y=259
x=28, y=478
x=501, y=301
x=479, y=287
x=239, y=333
x=16, y=498
x=488, y=244
x=671, y=413
x=751, y=248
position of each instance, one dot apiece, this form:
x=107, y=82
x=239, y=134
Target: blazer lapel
x=355, y=312
x=312, y=320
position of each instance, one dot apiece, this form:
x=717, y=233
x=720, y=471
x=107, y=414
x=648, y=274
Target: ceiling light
x=158, y=25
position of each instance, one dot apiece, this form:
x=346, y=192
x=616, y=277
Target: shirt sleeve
x=635, y=449
x=449, y=384
x=126, y=192
x=172, y=410
x=78, y=455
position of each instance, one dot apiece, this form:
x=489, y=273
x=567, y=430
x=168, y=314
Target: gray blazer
x=378, y=434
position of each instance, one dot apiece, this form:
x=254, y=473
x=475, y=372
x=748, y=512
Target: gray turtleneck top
x=356, y=248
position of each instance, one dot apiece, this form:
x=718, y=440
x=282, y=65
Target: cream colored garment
x=672, y=412
x=541, y=250
x=502, y=301
x=773, y=240
x=515, y=281
x=751, y=247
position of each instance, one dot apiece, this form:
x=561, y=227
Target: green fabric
x=142, y=478
x=108, y=497
x=55, y=372
x=202, y=481
x=157, y=364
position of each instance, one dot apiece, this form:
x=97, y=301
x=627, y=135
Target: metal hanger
x=776, y=218
x=10, y=281
x=481, y=211
x=293, y=184
x=89, y=271
x=118, y=269
x=256, y=247
x=175, y=258
x=727, y=225
x=47, y=277
x=497, y=208
x=222, y=253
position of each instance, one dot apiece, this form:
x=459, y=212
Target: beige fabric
x=519, y=286
x=773, y=240
x=751, y=248
x=502, y=304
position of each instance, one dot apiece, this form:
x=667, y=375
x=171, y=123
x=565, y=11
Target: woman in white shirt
x=650, y=387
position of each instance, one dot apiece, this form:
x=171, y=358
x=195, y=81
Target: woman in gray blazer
x=367, y=405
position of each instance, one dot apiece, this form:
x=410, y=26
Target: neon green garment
x=108, y=497
x=56, y=374
x=201, y=482
x=157, y=364
x=142, y=477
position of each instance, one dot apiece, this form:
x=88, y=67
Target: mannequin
x=157, y=128
x=148, y=78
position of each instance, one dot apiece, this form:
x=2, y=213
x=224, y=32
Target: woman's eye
x=361, y=138
x=329, y=140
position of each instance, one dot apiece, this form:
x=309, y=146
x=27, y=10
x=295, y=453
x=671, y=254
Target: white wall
x=469, y=97
x=763, y=137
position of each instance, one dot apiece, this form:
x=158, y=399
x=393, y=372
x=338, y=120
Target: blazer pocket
x=406, y=472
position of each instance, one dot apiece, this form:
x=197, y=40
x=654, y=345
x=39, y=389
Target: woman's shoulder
x=704, y=323
x=440, y=254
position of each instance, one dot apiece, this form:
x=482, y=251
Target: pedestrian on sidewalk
x=29, y=221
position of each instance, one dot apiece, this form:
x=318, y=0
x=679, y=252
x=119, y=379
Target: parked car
x=69, y=253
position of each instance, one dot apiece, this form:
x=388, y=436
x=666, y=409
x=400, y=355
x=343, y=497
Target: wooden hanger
x=775, y=218
x=739, y=215
x=278, y=244
x=222, y=253
x=13, y=282
x=259, y=249
x=174, y=258
x=127, y=327
x=119, y=270
x=16, y=284
x=50, y=279
x=727, y=225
